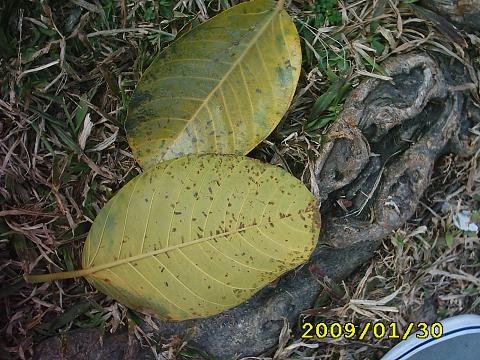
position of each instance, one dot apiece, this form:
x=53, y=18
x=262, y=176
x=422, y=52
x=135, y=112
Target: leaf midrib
x=275, y=11
x=139, y=257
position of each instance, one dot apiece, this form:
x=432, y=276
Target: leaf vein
x=229, y=120
x=264, y=253
x=213, y=126
x=158, y=290
x=101, y=235
x=276, y=242
x=187, y=78
x=151, y=204
x=127, y=285
x=175, y=205
x=262, y=61
x=210, y=276
x=194, y=59
x=238, y=262
x=125, y=219
x=188, y=289
x=248, y=93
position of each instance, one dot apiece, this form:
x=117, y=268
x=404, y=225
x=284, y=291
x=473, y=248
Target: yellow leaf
x=221, y=88
x=199, y=234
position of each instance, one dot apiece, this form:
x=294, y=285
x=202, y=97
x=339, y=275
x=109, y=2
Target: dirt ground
x=67, y=71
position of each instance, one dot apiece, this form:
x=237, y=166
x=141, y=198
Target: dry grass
x=68, y=70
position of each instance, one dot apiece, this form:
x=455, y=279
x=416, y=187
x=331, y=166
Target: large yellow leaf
x=221, y=88
x=196, y=235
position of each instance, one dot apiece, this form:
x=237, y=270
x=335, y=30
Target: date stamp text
x=378, y=330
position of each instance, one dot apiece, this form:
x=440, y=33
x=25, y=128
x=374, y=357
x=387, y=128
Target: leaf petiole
x=56, y=276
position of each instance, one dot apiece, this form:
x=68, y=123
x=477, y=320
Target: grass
x=68, y=71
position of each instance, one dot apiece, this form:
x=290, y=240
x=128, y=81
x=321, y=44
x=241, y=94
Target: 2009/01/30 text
x=378, y=330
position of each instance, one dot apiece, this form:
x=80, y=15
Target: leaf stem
x=56, y=276
x=280, y=4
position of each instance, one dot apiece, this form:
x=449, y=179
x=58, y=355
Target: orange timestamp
x=377, y=330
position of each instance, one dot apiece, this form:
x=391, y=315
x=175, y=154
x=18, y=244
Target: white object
x=460, y=340
x=463, y=221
